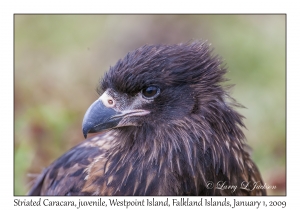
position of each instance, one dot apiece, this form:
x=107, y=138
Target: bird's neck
x=169, y=152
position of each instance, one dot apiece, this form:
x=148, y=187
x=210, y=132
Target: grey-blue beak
x=99, y=117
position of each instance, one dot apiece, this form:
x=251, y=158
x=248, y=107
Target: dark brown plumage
x=171, y=130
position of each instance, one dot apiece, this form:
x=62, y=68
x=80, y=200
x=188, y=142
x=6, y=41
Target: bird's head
x=156, y=84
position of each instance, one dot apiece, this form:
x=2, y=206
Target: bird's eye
x=150, y=92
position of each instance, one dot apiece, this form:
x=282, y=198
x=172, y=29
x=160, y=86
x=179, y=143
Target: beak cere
x=101, y=115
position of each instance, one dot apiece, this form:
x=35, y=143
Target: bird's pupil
x=150, y=91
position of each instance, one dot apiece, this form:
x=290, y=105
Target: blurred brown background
x=59, y=60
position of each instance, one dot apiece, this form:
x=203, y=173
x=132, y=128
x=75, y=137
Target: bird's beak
x=99, y=117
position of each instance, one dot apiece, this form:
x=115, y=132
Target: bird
x=164, y=124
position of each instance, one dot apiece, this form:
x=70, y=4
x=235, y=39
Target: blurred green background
x=59, y=60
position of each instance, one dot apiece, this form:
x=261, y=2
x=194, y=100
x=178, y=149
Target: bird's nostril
x=110, y=102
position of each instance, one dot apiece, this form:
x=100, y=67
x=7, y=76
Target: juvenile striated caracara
x=170, y=130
